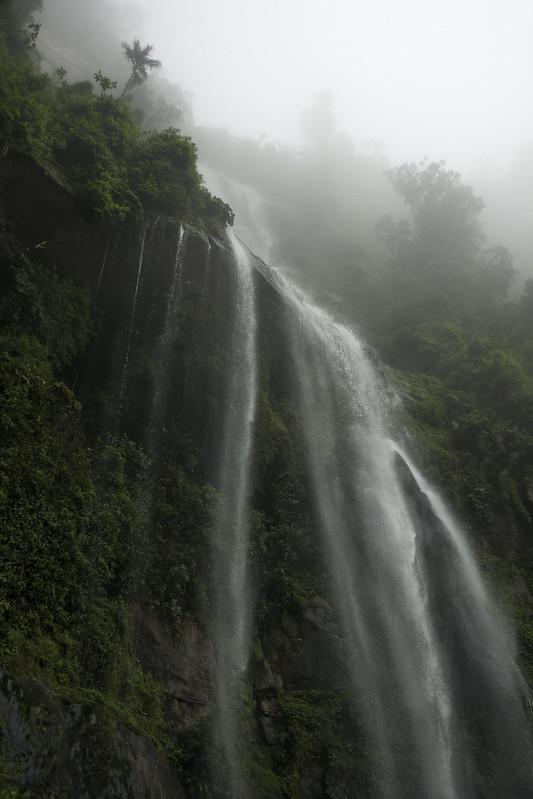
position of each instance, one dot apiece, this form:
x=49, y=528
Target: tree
x=31, y=35
x=445, y=214
x=16, y=22
x=61, y=75
x=105, y=83
x=525, y=306
x=141, y=63
x=439, y=265
x=497, y=271
x=439, y=249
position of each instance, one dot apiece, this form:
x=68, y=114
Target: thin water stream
x=427, y=649
x=233, y=596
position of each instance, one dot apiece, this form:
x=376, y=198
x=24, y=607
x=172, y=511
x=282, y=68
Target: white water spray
x=163, y=354
x=431, y=659
x=102, y=268
x=374, y=547
x=233, y=597
x=140, y=263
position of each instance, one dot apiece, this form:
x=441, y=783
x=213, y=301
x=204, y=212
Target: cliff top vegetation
x=93, y=143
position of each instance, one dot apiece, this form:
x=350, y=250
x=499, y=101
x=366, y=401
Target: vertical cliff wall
x=237, y=582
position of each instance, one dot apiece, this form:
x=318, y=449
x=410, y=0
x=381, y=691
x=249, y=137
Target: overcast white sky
x=446, y=78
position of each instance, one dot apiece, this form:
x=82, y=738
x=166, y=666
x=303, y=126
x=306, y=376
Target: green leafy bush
x=94, y=143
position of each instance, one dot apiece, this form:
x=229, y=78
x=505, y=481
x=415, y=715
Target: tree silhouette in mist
x=141, y=63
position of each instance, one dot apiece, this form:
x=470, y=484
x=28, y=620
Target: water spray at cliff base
x=426, y=649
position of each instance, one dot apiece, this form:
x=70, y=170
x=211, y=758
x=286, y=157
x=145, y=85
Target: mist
x=266, y=402
x=404, y=81
x=446, y=80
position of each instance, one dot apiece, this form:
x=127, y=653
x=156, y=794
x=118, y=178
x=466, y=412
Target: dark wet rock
x=184, y=663
x=61, y=751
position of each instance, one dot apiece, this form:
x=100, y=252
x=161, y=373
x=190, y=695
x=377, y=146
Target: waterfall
x=102, y=268
x=140, y=263
x=251, y=212
x=163, y=352
x=206, y=274
x=233, y=595
x=431, y=660
x=369, y=542
x=425, y=647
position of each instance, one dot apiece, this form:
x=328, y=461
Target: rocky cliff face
x=107, y=688
x=155, y=369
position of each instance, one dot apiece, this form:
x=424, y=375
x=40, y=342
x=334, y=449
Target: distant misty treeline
x=323, y=199
x=384, y=246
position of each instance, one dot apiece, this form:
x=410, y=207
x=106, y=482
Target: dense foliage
x=74, y=550
x=462, y=349
x=94, y=532
x=440, y=303
x=76, y=558
x=93, y=143
x=15, y=17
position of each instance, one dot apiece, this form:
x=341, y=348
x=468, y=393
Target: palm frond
x=141, y=63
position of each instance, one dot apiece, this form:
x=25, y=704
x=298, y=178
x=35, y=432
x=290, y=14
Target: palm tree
x=141, y=63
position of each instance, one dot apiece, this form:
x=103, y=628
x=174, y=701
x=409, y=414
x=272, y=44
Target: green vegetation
x=311, y=721
x=17, y=25
x=471, y=400
x=87, y=537
x=93, y=144
x=141, y=63
x=94, y=534
x=284, y=548
x=462, y=354
x=463, y=349
x=439, y=267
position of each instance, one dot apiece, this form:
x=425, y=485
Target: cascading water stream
x=102, y=268
x=432, y=660
x=386, y=589
x=251, y=212
x=233, y=600
x=375, y=581
x=140, y=263
x=163, y=352
x=206, y=274
x=470, y=571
